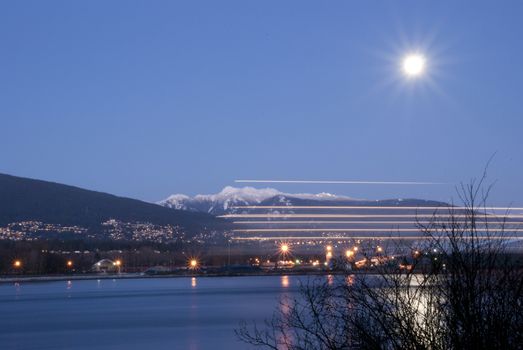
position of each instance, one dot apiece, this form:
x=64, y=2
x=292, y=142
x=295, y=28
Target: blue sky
x=145, y=99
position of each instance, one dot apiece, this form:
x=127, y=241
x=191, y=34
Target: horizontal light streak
x=270, y=215
x=279, y=222
x=350, y=182
x=312, y=238
x=338, y=230
x=331, y=238
x=358, y=207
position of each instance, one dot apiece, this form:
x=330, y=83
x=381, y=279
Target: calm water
x=160, y=313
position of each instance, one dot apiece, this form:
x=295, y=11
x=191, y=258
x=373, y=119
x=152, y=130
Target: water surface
x=156, y=313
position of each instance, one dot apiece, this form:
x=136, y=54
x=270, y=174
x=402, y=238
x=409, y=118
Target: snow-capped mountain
x=230, y=197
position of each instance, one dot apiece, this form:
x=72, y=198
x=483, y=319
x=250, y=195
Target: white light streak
x=311, y=222
x=356, y=207
x=345, y=238
x=350, y=182
x=414, y=216
x=260, y=230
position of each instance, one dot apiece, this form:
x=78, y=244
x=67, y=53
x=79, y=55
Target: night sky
x=149, y=98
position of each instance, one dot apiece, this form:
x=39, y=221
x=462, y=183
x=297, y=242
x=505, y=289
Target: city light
x=379, y=249
x=118, y=263
x=284, y=249
x=17, y=264
x=349, y=253
x=193, y=264
x=69, y=263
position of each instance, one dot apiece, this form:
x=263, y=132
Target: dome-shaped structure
x=105, y=265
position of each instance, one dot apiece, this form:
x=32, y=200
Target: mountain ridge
x=231, y=198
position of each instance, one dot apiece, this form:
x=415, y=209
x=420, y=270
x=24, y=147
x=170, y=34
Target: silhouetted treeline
x=44, y=257
x=62, y=257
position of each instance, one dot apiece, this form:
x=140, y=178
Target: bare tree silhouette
x=463, y=290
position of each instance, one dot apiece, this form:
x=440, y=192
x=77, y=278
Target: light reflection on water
x=349, y=280
x=164, y=313
x=330, y=280
x=285, y=281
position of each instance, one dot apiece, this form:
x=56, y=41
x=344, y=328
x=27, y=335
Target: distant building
x=158, y=270
x=268, y=265
x=105, y=266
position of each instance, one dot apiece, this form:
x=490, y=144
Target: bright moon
x=413, y=65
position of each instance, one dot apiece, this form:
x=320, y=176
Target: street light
x=118, y=264
x=17, y=264
x=69, y=263
x=193, y=264
x=284, y=251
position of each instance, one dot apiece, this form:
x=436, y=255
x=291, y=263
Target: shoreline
x=51, y=278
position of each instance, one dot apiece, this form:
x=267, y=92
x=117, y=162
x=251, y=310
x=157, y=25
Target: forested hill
x=24, y=199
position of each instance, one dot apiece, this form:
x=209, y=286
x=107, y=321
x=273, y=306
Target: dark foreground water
x=160, y=313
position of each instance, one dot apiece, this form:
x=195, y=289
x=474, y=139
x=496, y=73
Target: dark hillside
x=27, y=199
